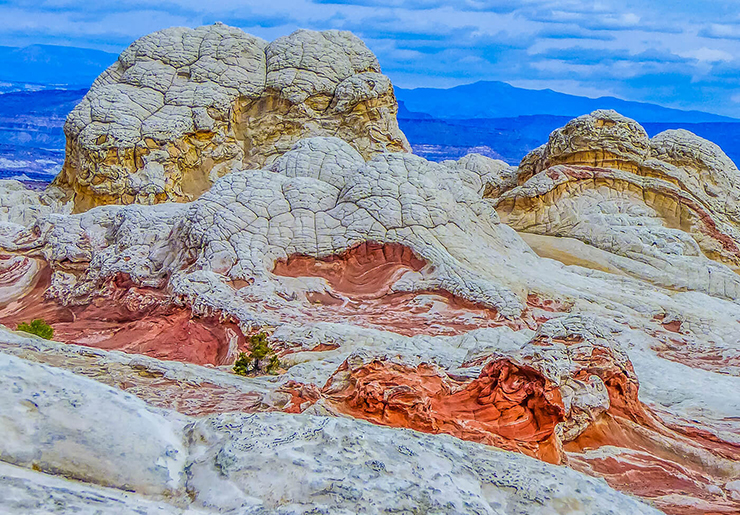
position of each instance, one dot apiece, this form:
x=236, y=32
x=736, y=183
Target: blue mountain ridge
x=44, y=83
x=51, y=64
x=490, y=99
x=510, y=139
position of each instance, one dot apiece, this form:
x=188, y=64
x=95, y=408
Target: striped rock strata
x=393, y=293
x=71, y=443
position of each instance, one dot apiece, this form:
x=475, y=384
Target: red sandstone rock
x=128, y=318
x=657, y=464
x=361, y=281
x=510, y=406
x=365, y=271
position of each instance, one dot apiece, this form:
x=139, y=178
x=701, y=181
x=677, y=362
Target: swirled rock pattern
x=510, y=406
x=581, y=309
x=393, y=293
x=664, y=209
x=212, y=464
x=182, y=107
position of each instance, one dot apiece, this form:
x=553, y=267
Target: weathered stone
x=300, y=463
x=182, y=107
x=390, y=291
x=664, y=209
x=490, y=177
x=20, y=205
x=52, y=423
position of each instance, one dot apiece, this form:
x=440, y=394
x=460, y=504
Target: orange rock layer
x=509, y=406
x=130, y=319
x=361, y=280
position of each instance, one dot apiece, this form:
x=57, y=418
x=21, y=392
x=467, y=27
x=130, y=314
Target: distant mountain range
x=488, y=99
x=505, y=122
x=40, y=84
x=510, y=139
x=31, y=132
x=78, y=67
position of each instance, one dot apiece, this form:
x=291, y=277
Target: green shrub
x=260, y=358
x=242, y=364
x=37, y=327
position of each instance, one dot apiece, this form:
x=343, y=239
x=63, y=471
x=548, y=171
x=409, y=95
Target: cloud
x=594, y=56
x=708, y=55
x=720, y=31
x=678, y=53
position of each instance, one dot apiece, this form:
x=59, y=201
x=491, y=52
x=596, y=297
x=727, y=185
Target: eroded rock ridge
x=581, y=309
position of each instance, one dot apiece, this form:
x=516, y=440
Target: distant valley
x=31, y=132
x=505, y=122
x=510, y=139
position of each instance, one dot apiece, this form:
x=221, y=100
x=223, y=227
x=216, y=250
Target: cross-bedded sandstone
x=387, y=284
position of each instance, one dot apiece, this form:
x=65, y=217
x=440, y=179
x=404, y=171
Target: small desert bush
x=260, y=358
x=37, y=327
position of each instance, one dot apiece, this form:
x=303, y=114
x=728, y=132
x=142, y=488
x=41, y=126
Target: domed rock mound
x=391, y=292
x=604, y=195
x=182, y=107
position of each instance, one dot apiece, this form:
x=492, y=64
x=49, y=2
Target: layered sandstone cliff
x=182, y=107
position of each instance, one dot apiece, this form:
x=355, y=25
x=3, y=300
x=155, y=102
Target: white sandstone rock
x=60, y=423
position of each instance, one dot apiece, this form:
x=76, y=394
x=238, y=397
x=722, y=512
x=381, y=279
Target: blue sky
x=678, y=53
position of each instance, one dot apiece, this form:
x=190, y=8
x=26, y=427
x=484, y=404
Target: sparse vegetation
x=260, y=358
x=37, y=327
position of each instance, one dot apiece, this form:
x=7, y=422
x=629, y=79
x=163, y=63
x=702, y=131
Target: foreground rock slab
x=302, y=463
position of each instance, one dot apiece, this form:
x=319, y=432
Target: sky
x=677, y=53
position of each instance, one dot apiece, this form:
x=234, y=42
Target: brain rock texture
x=182, y=107
x=581, y=310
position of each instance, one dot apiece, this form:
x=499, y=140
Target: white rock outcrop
x=52, y=423
x=78, y=428
x=182, y=107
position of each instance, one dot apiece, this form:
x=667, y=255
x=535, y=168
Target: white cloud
x=636, y=49
x=708, y=55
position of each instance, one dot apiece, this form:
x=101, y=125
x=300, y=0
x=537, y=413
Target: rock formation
x=581, y=309
x=664, y=209
x=182, y=107
x=60, y=423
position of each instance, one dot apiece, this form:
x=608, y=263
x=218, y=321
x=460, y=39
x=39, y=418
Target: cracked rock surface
x=302, y=463
x=581, y=309
x=182, y=107
x=393, y=293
